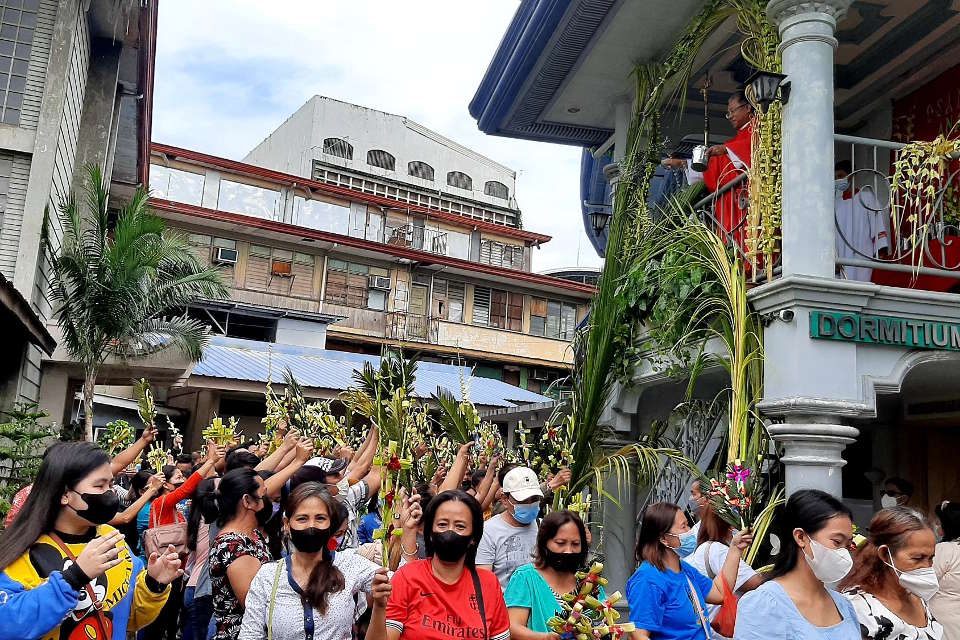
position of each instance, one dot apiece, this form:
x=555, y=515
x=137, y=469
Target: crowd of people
x=241, y=543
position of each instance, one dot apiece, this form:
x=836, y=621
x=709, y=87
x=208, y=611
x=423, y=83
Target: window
x=16, y=38
x=500, y=254
x=280, y=271
x=204, y=247
x=176, y=185
x=317, y=214
x=496, y=189
x=249, y=200
x=447, y=300
x=458, y=245
x=382, y=159
x=348, y=283
x=419, y=169
x=499, y=309
x=459, y=179
x=338, y=147
x=552, y=319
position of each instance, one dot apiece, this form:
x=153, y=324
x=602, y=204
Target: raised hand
x=149, y=434
x=100, y=555
x=742, y=540
x=380, y=589
x=164, y=568
x=410, y=511
x=155, y=482
x=561, y=479
x=304, y=449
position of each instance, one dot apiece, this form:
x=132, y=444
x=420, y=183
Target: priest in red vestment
x=726, y=163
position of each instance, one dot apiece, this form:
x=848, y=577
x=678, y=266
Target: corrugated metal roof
x=237, y=359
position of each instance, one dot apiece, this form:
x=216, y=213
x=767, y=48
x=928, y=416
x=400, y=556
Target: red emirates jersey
x=423, y=608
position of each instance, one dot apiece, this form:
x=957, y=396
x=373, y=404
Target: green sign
x=889, y=330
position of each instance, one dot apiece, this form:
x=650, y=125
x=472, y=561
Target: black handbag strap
x=479, y=592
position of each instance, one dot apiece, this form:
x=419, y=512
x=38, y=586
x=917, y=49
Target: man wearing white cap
x=509, y=538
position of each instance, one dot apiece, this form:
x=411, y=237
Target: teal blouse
x=528, y=590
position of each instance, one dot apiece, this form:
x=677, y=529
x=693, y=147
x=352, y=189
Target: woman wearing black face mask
x=445, y=595
x=240, y=548
x=310, y=594
x=535, y=590
x=65, y=572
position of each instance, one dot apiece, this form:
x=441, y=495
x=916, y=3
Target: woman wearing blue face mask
x=667, y=596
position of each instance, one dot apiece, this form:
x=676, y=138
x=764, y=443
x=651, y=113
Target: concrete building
x=349, y=229
x=76, y=81
x=848, y=403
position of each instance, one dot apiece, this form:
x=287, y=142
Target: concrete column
x=98, y=124
x=811, y=456
x=807, y=45
x=619, y=530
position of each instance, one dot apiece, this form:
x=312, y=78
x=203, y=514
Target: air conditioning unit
x=379, y=282
x=222, y=255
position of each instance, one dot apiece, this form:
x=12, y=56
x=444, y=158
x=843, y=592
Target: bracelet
x=404, y=551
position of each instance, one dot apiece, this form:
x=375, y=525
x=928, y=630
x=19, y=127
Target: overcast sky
x=230, y=71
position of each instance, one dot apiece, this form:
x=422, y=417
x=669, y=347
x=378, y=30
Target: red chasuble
x=730, y=207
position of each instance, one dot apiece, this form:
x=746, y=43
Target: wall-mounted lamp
x=599, y=219
x=767, y=87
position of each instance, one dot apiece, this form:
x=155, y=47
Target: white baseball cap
x=521, y=483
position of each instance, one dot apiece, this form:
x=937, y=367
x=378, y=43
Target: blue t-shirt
x=368, y=524
x=660, y=601
x=768, y=613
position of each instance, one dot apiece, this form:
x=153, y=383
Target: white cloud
x=230, y=71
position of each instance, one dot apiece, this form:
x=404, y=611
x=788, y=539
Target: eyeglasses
x=729, y=114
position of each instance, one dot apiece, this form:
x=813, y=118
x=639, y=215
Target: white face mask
x=828, y=565
x=888, y=502
x=343, y=486
x=840, y=185
x=922, y=582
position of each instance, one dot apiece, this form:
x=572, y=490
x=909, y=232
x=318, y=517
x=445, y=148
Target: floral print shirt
x=877, y=622
x=227, y=610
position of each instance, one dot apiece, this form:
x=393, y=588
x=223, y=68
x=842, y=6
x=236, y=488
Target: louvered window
x=459, y=179
x=496, y=189
x=382, y=159
x=419, y=169
x=338, y=147
x=481, y=306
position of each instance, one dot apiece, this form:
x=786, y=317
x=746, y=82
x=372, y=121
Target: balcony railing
x=878, y=233
x=413, y=327
x=907, y=241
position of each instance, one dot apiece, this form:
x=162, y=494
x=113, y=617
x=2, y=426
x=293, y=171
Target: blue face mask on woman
x=526, y=513
x=688, y=543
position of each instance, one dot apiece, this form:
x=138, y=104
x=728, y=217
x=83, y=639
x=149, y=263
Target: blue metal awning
x=236, y=359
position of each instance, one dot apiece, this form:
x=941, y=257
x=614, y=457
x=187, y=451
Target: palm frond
x=453, y=418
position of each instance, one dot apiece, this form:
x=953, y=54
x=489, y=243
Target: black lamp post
x=768, y=87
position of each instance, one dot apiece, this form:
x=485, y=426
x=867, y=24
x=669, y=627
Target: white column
x=807, y=45
x=812, y=454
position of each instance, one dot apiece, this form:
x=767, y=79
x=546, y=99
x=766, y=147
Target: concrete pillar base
x=812, y=454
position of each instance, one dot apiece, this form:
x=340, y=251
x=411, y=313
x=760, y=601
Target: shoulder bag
x=95, y=603
x=477, y=590
x=158, y=539
x=726, y=619
x=273, y=598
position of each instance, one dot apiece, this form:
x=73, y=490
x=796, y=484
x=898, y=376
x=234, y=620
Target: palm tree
x=115, y=282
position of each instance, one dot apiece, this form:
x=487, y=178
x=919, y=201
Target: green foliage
x=115, y=282
x=22, y=442
x=115, y=437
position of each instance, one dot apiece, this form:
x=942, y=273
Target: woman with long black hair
x=197, y=601
x=310, y=594
x=795, y=603
x=66, y=573
x=240, y=548
x=445, y=595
